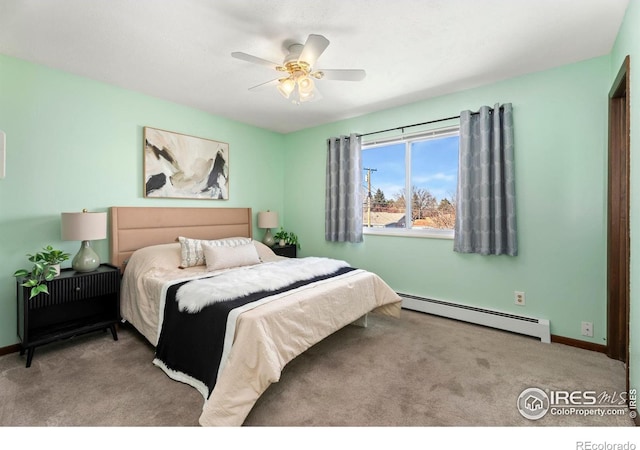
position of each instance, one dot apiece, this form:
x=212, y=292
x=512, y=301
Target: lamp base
x=87, y=260
x=268, y=238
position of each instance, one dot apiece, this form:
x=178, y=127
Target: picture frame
x=178, y=165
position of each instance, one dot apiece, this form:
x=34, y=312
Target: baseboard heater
x=528, y=326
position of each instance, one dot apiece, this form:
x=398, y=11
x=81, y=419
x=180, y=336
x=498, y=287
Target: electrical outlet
x=519, y=298
x=587, y=329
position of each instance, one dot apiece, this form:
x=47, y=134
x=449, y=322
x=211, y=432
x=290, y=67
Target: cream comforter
x=267, y=337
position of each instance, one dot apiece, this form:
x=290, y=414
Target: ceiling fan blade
x=313, y=48
x=340, y=74
x=256, y=60
x=265, y=84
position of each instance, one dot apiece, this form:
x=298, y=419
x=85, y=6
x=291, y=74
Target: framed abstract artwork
x=180, y=166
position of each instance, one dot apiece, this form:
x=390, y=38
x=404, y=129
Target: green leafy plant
x=51, y=256
x=43, y=270
x=288, y=237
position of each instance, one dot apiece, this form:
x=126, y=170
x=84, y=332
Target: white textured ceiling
x=180, y=50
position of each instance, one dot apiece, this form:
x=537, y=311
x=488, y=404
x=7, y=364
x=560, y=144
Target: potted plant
x=52, y=257
x=46, y=266
x=286, y=238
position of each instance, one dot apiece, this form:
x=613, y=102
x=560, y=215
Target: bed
x=162, y=289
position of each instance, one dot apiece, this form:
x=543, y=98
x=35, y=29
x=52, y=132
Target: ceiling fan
x=298, y=73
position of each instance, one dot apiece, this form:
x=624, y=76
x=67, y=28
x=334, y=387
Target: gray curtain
x=485, y=203
x=343, y=205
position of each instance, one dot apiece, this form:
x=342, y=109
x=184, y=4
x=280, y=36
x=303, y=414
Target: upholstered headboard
x=135, y=227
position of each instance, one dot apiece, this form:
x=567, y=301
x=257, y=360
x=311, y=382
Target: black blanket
x=193, y=343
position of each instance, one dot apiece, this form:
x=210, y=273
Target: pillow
x=161, y=256
x=191, y=249
x=226, y=257
x=265, y=252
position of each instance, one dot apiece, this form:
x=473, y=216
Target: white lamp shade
x=84, y=226
x=267, y=219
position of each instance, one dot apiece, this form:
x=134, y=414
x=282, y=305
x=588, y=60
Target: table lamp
x=84, y=226
x=268, y=220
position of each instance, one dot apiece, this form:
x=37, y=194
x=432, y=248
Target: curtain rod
x=417, y=124
x=409, y=126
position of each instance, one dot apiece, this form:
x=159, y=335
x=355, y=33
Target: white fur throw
x=197, y=294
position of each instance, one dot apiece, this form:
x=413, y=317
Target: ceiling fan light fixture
x=305, y=96
x=286, y=87
x=298, y=85
x=305, y=84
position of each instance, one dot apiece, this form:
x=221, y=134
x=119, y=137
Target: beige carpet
x=419, y=370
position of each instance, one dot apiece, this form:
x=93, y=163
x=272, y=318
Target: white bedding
x=267, y=337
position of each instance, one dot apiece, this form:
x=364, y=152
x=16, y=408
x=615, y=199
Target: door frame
x=618, y=240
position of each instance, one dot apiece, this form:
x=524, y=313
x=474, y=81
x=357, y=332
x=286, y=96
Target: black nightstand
x=77, y=303
x=288, y=250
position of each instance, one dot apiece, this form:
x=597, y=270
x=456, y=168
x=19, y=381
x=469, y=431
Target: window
x=422, y=168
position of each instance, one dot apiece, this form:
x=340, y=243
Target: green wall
x=628, y=43
x=74, y=143
x=560, y=120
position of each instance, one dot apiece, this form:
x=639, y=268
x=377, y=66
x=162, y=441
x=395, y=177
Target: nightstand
x=77, y=303
x=288, y=250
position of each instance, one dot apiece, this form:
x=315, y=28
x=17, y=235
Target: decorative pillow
x=265, y=252
x=191, y=249
x=225, y=257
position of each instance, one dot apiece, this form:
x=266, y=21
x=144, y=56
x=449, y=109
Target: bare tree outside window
x=430, y=165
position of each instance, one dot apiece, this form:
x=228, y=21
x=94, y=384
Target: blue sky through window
x=434, y=167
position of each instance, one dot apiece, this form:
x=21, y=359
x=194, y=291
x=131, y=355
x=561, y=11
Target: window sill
x=402, y=232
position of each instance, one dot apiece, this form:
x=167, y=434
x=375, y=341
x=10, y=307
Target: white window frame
x=408, y=140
